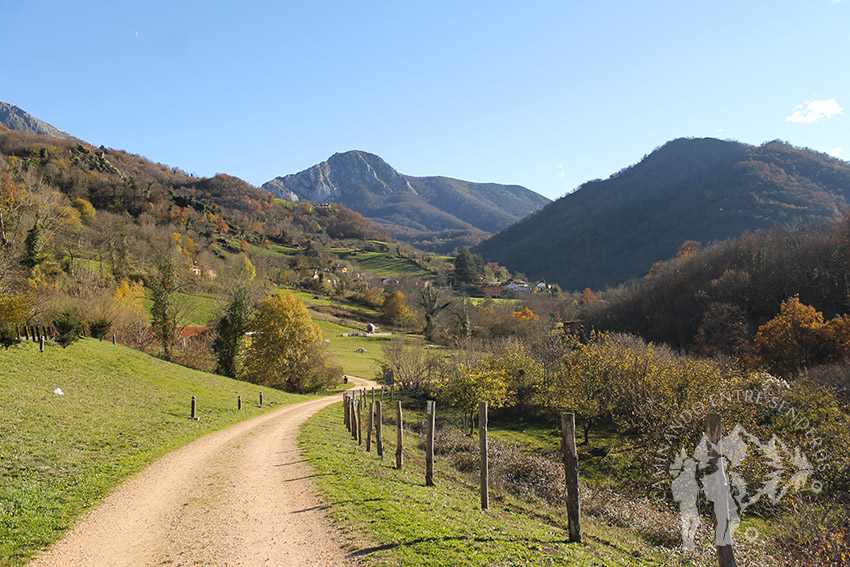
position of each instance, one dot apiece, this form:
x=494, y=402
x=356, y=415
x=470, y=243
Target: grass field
x=121, y=410
x=345, y=351
x=409, y=524
x=384, y=264
x=311, y=299
x=193, y=310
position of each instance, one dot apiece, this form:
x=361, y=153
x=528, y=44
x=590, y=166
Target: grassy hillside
x=121, y=410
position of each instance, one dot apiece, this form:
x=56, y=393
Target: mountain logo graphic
x=780, y=470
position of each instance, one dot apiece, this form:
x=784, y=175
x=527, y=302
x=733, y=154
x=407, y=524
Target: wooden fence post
x=346, y=409
x=568, y=445
x=718, y=492
x=399, y=435
x=429, y=443
x=485, y=465
x=41, y=345
x=379, y=427
x=261, y=399
x=369, y=424
x=194, y=414
x=359, y=418
x=239, y=403
x=355, y=427
x=349, y=417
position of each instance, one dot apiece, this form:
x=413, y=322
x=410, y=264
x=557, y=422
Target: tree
x=248, y=271
x=412, y=364
x=163, y=285
x=396, y=310
x=230, y=331
x=799, y=337
x=286, y=350
x=34, y=246
x=468, y=267
x=463, y=384
x=432, y=305
x=69, y=327
x=8, y=336
x=119, y=254
x=87, y=211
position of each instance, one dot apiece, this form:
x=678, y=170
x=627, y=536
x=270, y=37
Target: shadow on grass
x=332, y=504
x=389, y=546
x=308, y=476
x=290, y=463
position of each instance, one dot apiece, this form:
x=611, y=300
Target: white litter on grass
x=59, y=392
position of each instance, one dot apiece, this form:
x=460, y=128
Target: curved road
x=242, y=496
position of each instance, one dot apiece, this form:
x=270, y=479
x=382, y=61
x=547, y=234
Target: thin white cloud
x=814, y=111
x=559, y=169
x=836, y=152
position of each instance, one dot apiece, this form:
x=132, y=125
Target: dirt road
x=242, y=496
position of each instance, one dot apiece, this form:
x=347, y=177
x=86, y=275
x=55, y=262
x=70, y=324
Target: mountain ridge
x=705, y=189
x=15, y=118
x=433, y=212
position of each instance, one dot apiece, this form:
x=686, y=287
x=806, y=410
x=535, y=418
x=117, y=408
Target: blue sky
x=543, y=94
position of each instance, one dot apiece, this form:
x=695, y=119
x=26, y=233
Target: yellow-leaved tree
x=493, y=379
x=286, y=350
x=799, y=337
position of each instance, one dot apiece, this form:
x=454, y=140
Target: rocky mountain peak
x=16, y=118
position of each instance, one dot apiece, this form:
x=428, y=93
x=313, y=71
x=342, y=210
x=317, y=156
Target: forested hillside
x=704, y=190
x=715, y=301
x=82, y=229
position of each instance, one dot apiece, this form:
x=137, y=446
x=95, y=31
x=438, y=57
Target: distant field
x=384, y=265
x=121, y=410
x=194, y=310
x=478, y=301
x=346, y=350
x=311, y=299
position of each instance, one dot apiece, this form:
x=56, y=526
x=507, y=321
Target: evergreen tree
x=163, y=285
x=8, y=337
x=468, y=267
x=34, y=246
x=230, y=332
x=69, y=327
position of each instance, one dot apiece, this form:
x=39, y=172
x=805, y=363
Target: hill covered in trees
x=718, y=300
x=704, y=190
x=434, y=213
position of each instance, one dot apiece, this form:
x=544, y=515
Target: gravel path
x=242, y=496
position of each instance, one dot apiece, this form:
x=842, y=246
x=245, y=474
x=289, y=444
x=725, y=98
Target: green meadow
x=120, y=410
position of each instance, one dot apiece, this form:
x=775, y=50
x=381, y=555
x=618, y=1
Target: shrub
x=8, y=336
x=69, y=328
x=99, y=328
